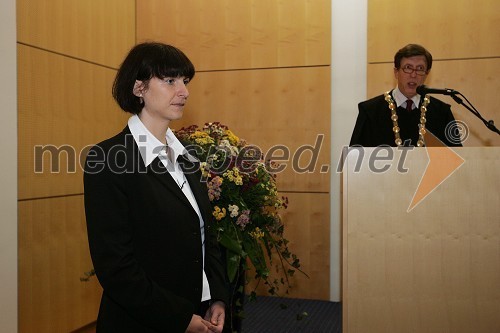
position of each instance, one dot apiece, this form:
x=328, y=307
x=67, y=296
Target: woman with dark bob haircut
x=144, y=62
x=148, y=211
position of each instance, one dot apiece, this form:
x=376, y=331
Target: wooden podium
x=420, y=254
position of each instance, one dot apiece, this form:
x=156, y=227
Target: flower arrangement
x=245, y=202
x=246, y=205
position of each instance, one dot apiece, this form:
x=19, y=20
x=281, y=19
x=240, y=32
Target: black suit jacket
x=145, y=242
x=374, y=125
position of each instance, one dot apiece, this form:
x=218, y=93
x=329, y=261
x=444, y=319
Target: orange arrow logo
x=443, y=162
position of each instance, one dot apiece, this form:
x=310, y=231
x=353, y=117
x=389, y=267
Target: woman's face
x=164, y=99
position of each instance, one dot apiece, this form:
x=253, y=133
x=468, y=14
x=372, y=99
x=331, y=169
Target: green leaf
x=231, y=244
x=233, y=263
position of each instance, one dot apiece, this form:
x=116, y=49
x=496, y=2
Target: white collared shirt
x=150, y=148
x=401, y=99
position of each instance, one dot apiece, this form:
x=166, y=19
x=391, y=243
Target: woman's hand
x=199, y=325
x=216, y=315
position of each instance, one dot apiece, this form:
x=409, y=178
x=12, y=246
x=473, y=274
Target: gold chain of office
x=394, y=118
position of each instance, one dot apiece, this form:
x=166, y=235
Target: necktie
x=170, y=154
x=409, y=105
x=171, y=157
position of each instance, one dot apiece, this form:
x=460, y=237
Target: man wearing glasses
x=401, y=117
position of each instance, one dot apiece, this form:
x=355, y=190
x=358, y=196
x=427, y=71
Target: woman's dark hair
x=412, y=50
x=143, y=62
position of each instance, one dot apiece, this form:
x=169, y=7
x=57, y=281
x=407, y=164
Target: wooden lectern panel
x=432, y=268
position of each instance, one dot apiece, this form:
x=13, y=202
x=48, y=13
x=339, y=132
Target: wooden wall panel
x=288, y=107
x=308, y=229
x=477, y=79
x=91, y=30
x=450, y=29
x=307, y=226
x=61, y=102
x=226, y=34
x=53, y=254
x=68, y=52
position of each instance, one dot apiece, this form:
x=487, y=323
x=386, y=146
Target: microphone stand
x=488, y=123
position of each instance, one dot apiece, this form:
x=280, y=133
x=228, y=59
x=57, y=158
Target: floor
x=291, y=315
x=284, y=315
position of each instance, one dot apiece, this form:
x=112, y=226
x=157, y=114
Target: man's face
x=408, y=82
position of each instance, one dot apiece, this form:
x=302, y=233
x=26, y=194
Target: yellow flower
x=202, y=138
x=257, y=233
x=204, y=167
x=218, y=213
x=233, y=139
x=234, y=176
x=229, y=175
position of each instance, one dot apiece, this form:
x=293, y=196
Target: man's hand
x=216, y=316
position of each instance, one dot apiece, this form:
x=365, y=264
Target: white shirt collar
x=400, y=99
x=150, y=147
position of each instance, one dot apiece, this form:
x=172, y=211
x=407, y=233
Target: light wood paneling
x=450, y=29
x=286, y=107
x=433, y=269
x=91, y=30
x=227, y=34
x=307, y=227
x=61, y=102
x=53, y=254
x=477, y=79
x=66, y=52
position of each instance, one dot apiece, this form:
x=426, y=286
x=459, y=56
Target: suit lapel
x=158, y=171
x=193, y=176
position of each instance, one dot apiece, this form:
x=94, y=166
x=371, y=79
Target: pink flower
x=214, y=189
x=244, y=218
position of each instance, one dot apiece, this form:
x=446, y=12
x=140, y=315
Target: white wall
x=8, y=168
x=349, y=62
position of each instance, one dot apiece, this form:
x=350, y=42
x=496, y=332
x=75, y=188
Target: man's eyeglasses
x=408, y=70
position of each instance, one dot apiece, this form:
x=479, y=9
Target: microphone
x=422, y=90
